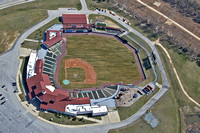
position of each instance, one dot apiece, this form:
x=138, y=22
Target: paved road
x=9, y=3
x=13, y=117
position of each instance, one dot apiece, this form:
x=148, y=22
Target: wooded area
x=190, y=8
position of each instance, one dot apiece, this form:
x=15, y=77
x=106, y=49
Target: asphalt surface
x=14, y=118
x=5, y=2
x=9, y=3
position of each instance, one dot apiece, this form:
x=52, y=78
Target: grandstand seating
x=96, y=94
x=50, y=60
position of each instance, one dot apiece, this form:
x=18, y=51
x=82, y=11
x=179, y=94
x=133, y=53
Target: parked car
x=139, y=92
x=150, y=87
x=3, y=102
x=147, y=89
x=2, y=98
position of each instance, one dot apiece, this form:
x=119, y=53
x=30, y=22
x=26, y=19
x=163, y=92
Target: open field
x=111, y=60
x=166, y=109
x=65, y=120
x=18, y=18
x=189, y=75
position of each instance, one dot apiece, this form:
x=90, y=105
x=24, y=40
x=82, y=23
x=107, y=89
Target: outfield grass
x=166, y=109
x=16, y=19
x=111, y=60
x=65, y=120
x=142, y=54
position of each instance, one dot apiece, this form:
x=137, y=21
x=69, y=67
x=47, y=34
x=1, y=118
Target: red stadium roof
x=38, y=67
x=50, y=42
x=74, y=19
x=56, y=100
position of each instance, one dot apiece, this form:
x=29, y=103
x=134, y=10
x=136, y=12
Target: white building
x=31, y=65
x=86, y=109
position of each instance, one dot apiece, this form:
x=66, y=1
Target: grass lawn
x=166, y=110
x=181, y=98
x=78, y=71
x=66, y=120
x=111, y=60
x=31, y=45
x=189, y=73
x=126, y=112
x=22, y=95
x=15, y=19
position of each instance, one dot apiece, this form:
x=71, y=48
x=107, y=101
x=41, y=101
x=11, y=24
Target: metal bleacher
x=50, y=60
x=95, y=94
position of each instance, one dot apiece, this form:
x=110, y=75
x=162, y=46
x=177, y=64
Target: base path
x=91, y=75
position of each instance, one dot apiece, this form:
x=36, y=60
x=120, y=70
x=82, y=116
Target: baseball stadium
x=79, y=70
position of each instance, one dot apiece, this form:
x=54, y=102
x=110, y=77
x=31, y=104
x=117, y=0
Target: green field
x=15, y=19
x=189, y=73
x=181, y=98
x=111, y=60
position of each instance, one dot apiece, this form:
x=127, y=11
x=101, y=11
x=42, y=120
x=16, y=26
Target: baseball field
x=111, y=60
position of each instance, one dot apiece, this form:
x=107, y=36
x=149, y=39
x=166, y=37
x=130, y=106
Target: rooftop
x=74, y=19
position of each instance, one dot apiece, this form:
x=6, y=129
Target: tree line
x=190, y=8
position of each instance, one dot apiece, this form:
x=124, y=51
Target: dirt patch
x=126, y=97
